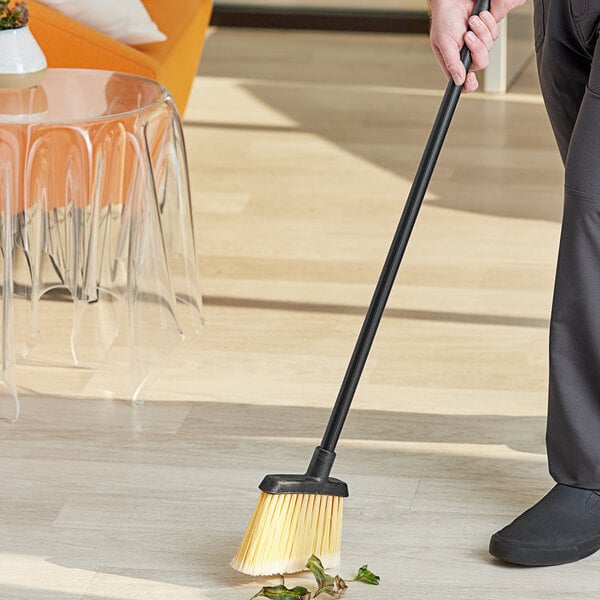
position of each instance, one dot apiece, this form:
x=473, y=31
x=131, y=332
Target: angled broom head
x=296, y=516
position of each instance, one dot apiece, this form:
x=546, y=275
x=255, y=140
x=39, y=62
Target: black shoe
x=562, y=527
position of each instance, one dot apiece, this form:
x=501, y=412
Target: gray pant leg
x=569, y=69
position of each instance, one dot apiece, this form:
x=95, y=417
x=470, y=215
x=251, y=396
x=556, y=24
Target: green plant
x=15, y=17
x=334, y=587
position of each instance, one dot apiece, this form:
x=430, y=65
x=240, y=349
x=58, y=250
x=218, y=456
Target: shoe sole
x=537, y=557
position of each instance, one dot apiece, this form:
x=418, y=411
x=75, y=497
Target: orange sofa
x=69, y=43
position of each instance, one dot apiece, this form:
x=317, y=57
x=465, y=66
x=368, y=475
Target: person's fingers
x=471, y=83
x=480, y=55
x=490, y=22
x=481, y=30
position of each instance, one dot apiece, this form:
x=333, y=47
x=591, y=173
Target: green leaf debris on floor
x=334, y=587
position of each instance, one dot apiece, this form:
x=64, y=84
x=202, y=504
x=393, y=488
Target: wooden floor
x=302, y=148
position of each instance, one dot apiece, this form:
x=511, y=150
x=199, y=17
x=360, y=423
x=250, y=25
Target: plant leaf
x=336, y=589
x=367, y=576
x=328, y=589
x=280, y=592
x=316, y=568
x=340, y=584
x=333, y=586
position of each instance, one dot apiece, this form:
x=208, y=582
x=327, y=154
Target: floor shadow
x=379, y=114
x=394, y=313
x=521, y=433
x=380, y=127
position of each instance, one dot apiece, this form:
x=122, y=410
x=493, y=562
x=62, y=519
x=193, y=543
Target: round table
x=95, y=213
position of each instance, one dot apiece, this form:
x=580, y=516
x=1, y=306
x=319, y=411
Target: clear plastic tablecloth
x=95, y=213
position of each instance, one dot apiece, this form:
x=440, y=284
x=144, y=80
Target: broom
x=301, y=515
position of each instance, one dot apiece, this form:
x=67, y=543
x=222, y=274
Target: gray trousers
x=568, y=59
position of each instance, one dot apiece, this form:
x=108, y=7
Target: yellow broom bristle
x=286, y=529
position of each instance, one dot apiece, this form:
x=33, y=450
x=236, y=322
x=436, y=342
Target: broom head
x=296, y=516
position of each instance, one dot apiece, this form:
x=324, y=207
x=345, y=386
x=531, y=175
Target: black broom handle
x=396, y=252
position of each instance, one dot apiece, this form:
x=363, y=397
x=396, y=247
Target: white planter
x=22, y=62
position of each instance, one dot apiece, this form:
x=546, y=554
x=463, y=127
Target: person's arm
x=450, y=24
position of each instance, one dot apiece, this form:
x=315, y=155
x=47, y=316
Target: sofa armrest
x=69, y=43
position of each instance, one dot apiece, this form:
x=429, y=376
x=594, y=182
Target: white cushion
x=125, y=20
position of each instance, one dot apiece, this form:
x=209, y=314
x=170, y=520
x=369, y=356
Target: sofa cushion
x=127, y=21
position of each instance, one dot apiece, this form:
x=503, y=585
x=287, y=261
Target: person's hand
x=452, y=26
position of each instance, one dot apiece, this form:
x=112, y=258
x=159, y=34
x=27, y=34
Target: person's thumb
x=450, y=56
